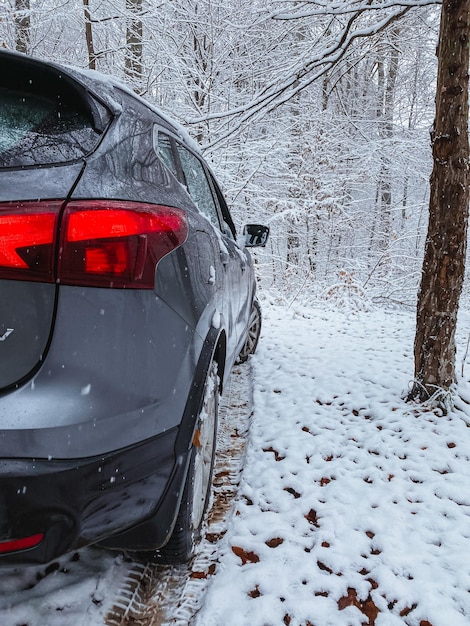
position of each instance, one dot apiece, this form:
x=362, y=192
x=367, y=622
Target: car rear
x=95, y=369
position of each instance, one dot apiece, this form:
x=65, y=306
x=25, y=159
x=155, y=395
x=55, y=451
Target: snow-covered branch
x=312, y=8
x=283, y=88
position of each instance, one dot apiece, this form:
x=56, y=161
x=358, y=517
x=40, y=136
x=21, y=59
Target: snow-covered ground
x=353, y=508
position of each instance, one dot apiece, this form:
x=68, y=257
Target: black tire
x=254, y=331
x=196, y=495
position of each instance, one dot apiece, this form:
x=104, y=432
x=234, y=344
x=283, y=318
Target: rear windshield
x=47, y=125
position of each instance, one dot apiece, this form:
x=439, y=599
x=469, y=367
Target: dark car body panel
x=26, y=317
x=101, y=387
x=77, y=502
x=54, y=181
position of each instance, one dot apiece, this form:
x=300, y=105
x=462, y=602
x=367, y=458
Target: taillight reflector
x=101, y=243
x=14, y=545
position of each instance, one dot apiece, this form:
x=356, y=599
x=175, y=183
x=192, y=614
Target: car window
x=228, y=225
x=37, y=130
x=198, y=185
x=165, y=152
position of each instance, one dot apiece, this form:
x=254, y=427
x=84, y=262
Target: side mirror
x=256, y=235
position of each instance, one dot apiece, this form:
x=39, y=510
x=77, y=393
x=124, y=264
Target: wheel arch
x=220, y=356
x=214, y=349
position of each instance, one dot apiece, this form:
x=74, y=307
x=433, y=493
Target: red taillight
x=117, y=244
x=14, y=545
x=102, y=243
x=26, y=240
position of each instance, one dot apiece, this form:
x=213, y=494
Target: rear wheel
x=254, y=331
x=197, y=489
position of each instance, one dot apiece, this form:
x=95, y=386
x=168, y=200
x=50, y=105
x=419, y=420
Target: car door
x=229, y=260
x=246, y=280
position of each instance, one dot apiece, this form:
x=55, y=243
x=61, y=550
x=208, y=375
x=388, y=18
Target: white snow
x=354, y=505
x=216, y=320
x=353, y=508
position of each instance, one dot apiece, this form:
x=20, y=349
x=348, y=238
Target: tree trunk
x=22, y=25
x=89, y=36
x=387, y=72
x=134, y=46
x=444, y=257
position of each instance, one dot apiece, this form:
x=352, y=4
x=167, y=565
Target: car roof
x=105, y=88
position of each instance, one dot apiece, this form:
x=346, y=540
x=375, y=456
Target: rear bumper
x=78, y=502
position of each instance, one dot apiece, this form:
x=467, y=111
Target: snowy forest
x=337, y=499
x=315, y=117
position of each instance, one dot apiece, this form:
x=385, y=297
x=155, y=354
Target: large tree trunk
x=444, y=258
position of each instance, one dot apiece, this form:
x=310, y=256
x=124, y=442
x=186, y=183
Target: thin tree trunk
x=387, y=129
x=89, y=36
x=444, y=260
x=134, y=35
x=22, y=25
x=386, y=102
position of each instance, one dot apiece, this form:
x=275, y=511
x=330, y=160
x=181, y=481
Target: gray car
x=125, y=300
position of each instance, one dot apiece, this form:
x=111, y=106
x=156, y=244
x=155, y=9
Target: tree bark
x=22, y=25
x=89, y=36
x=134, y=45
x=444, y=257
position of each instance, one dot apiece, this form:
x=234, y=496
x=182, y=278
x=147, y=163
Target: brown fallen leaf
x=255, y=593
x=202, y=575
x=244, y=555
x=373, y=583
x=370, y=610
x=292, y=491
x=214, y=537
x=277, y=456
x=324, y=567
x=312, y=517
x=275, y=542
x=367, y=607
x=349, y=600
